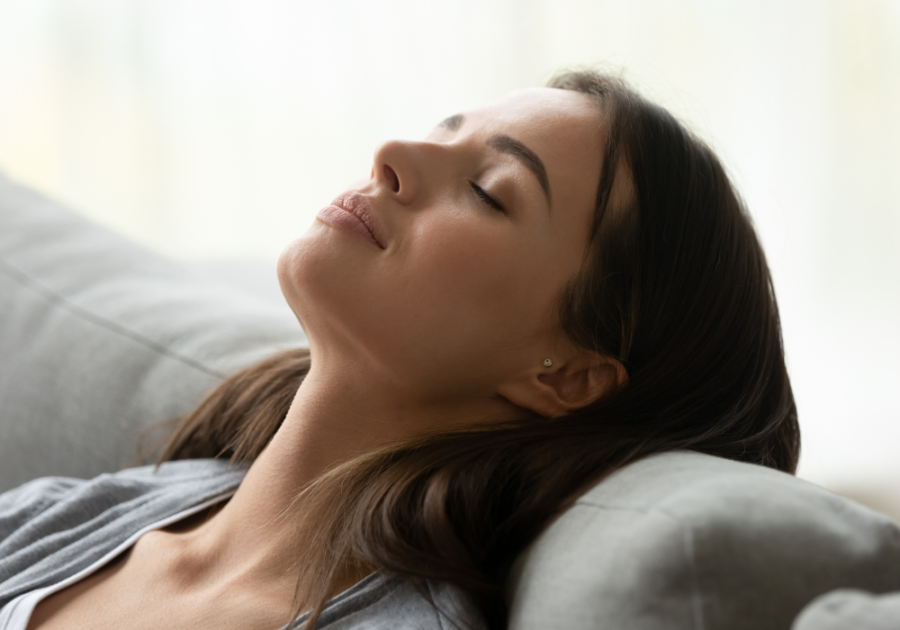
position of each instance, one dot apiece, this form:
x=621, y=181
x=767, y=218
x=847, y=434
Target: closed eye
x=486, y=198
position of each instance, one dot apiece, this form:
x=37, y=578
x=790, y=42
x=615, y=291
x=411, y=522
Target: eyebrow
x=526, y=156
x=510, y=146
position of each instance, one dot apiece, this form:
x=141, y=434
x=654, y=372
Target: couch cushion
x=683, y=540
x=851, y=610
x=100, y=338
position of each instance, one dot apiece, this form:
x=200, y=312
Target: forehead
x=547, y=106
x=535, y=113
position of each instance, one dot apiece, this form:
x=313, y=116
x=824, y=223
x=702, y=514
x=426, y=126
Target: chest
x=119, y=596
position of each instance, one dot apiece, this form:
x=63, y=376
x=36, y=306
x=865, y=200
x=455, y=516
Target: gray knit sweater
x=52, y=528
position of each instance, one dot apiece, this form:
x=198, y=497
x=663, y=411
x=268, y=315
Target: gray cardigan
x=54, y=527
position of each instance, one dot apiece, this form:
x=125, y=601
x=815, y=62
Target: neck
x=336, y=414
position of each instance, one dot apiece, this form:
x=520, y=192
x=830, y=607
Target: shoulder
x=379, y=602
x=52, y=527
x=32, y=499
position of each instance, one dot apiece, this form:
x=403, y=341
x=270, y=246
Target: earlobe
x=567, y=387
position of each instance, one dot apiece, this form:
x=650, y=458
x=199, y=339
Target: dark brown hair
x=674, y=285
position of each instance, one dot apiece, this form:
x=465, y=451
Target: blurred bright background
x=215, y=129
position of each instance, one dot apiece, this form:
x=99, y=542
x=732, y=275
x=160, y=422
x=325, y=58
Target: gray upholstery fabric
x=684, y=540
x=851, y=610
x=100, y=338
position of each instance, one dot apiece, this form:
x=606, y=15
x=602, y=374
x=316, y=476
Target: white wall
x=217, y=129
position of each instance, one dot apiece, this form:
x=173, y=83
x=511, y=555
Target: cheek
x=475, y=281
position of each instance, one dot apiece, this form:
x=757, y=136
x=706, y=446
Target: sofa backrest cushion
x=101, y=338
x=683, y=540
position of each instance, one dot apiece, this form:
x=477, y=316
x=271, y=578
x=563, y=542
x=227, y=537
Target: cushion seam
x=55, y=298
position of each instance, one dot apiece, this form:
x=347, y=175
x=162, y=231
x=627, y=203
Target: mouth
x=354, y=212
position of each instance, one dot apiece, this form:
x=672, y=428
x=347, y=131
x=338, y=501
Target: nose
x=395, y=170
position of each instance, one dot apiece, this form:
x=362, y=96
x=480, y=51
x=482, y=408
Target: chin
x=323, y=279
x=285, y=272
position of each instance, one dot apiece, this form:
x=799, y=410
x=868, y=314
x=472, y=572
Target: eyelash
x=486, y=198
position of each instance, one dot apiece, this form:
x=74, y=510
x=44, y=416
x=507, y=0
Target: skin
x=447, y=326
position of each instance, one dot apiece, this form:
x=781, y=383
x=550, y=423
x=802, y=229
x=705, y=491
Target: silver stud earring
x=547, y=362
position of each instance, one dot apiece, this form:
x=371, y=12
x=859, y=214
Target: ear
x=560, y=389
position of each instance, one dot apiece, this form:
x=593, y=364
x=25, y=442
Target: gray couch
x=100, y=339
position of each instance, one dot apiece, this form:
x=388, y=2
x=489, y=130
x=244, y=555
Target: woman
x=544, y=290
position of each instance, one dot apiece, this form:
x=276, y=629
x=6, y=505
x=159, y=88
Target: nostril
x=392, y=178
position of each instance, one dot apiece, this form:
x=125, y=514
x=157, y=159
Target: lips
x=354, y=212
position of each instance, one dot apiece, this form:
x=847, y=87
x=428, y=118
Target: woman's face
x=481, y=224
